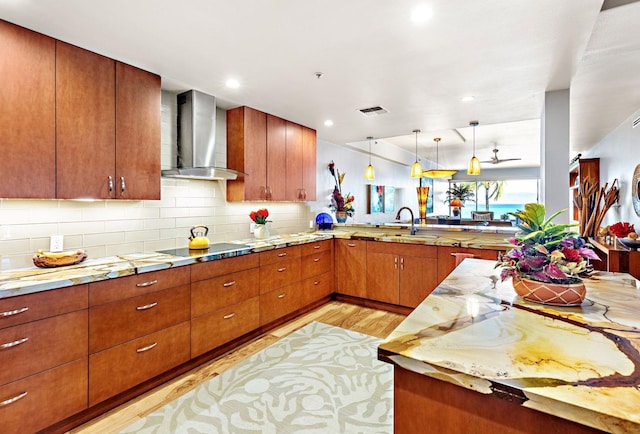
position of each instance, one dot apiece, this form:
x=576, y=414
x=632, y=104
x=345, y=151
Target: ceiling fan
x=496, y=160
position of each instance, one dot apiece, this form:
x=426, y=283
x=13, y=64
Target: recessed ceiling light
x=233, y=83
x=421, y=14
x=328, y=123
x=468, y=98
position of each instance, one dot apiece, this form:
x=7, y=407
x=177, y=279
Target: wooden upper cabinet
x=137, y=133
x=309, y=164
x=271, y=152
x=247, y=152
x=27, y=118
x=294, y=162
x=277, y=154
x=85, y=123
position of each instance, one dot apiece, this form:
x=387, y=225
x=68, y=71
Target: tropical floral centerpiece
x=338, y=201
x=547, y=253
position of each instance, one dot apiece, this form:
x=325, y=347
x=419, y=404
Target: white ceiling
x=505, y=53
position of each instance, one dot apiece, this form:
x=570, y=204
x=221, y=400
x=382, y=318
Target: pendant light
x=416, y=169
x=438, y=173
x=370, y=173
x=474, y=163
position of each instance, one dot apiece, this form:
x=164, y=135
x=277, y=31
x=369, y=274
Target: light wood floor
x=364, y=320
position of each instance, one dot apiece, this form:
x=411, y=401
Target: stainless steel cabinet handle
x=12, y=400
x=282, y=295
x=14, y=343
x=351, y=245
x=280, y=255
x=14, y=312
x=147, y=306
x=147, y=348
x=402, y=263
x=395, y=262
x=316, y=282
x=280, y=270
x=228, y=284
x=231, y=315
x=316, y=247
x=110, y=184
x=316, y=259
x=149, y=283
x=122, y=184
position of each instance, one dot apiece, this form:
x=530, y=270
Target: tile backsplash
x=113, y=227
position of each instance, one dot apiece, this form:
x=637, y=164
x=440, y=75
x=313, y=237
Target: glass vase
x=261, y=232
x=423, y=197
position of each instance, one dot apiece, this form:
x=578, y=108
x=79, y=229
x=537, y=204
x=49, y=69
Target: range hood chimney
x=197, y=139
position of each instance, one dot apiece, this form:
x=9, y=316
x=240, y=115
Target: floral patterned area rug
x=320, y=379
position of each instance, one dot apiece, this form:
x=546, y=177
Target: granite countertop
x=579, y=363
x=28, y=280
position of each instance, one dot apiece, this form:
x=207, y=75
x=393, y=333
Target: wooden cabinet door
x=247, y=153
x=447, y=262
x=309, y=164
x=382, y=276
x=137, y=133
x=418, y=278
x=85, y=123
x=276, y=158
x=294, y=160
x=27, y=118
x=351, y=267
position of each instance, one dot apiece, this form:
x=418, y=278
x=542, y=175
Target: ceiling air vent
x=636, y=121
x=372, y=111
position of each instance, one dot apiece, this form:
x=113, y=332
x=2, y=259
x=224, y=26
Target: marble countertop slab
x=580, y=363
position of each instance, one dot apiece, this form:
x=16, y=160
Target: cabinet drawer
x=31, y=307
x=213, y=294
x=316, y=287
x=217, y=328
x=44, y=399
x=279, y=274
x=403, y=249
x=39, y=345
x=114, y=323
x=121, y=288
x=278, y=255
x=279, y=303
x=220, y=267
x=122, y=367
x=315, y=247
x=316, y=263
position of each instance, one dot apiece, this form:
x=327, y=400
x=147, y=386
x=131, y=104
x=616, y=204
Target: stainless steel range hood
x=196, y=144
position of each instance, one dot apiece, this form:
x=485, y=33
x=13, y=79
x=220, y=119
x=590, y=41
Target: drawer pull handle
x=280, y=270
x=229, y=316
x=316, y=282
x=147, y=348
x=228, y=284
x=14, y=312
x=149, y=283
x=316, y=247
x=147, y=306
x=282, y=295
x=12, y=400
x=316, y=259
x=351, y=245
x=14, y=343
x=280, y=255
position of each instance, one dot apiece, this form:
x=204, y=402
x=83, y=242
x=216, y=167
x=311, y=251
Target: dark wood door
x=309, y=164
x=85, y=123
x=276, y=158
x=137, y=133
x=27, y=118
x=294, y=159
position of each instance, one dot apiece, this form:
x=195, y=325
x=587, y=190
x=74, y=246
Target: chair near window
x=482, y=215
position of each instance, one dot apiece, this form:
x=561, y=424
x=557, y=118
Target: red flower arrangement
x=339, y=202
x=621, y=229
x=260, y=216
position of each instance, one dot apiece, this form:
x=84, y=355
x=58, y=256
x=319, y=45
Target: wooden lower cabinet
x=279, y=274
x=40, y=400
x=447, y=262
x=351, y=267
x=279, y=303
x=119, y=368
x=224, y=325
x=316, y=288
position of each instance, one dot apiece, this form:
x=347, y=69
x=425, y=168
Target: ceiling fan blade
x=508, y=159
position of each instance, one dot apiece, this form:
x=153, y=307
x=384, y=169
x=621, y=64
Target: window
x=499, y=197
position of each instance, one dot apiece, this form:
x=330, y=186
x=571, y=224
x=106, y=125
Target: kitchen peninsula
x=553, y=369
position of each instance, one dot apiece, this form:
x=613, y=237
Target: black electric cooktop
x=213, y=249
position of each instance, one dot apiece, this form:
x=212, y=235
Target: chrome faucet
x=413, y=226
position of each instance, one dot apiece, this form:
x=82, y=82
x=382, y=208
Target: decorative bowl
x=630, y=243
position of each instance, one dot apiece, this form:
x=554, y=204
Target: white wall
x=619, y=153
